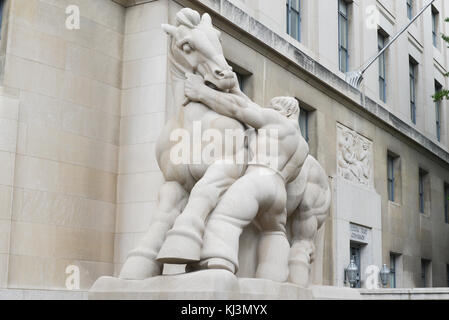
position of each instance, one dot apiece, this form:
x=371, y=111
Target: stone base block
x=210, y=285
x=406, y=294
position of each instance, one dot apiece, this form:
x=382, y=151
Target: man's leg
x=274, y=248
x=184, y=240
x=141, y=262
x=237, y=209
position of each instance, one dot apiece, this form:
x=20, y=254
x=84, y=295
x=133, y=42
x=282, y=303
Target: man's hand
x=193, y=86
x=236, y=88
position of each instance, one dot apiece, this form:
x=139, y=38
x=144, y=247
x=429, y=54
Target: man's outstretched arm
x=227, y=104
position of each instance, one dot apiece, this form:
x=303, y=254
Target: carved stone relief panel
x=354, y=156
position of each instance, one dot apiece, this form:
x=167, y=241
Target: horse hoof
x=140, y=268
x=299, y=272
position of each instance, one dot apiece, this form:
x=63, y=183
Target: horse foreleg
x=141, y=262
x=302, y=250
x=306, y=221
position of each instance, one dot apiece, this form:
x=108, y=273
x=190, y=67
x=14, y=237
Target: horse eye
x=187, y=48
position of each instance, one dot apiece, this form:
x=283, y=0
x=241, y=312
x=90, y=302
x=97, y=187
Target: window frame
x=423, y=273
x=382, y=68
x=292, y=10
x=240, y=80
x=447, y=274
x=421, y=187
x=410, y=8
x=2, y=5
x=390, y=177
x=446, y=203
x=435, y=14
x=305, y=130
x=426, y=276
x=438, y=87
x=412, y=79
x=343, y=48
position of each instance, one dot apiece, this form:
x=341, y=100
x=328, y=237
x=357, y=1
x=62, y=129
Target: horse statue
x=195, y=48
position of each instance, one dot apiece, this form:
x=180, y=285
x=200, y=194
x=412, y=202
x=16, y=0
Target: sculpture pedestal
x=210, y=285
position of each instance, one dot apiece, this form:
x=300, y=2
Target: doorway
x=355, y=253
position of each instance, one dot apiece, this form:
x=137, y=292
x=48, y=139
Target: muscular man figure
x=261, y=192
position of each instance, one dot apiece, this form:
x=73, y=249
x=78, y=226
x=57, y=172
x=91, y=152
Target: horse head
x=196, y=48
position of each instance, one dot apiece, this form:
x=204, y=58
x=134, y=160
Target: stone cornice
x=129, y=3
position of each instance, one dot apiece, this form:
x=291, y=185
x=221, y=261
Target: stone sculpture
x=211, y=201
x=259, y=194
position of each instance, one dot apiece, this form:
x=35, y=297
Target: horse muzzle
x=221, y=83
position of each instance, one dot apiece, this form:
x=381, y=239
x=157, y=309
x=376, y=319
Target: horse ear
x=169, y=29
x=206, y=19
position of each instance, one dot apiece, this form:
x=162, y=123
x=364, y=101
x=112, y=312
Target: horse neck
x=177, y=74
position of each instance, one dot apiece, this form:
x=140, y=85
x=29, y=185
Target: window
x=438, y=87
x=243, y=76
x=447, y=274
x=394, y=262
x=426, y=273
x=410, y=9
x=343, y=31
x=394, y=177
x=2, y=3
x=304, y=123
x=240, y=79
x=412, y=67
x=446, y=203
x=382, y=68
x=307, y=124
x=435, y=27
x=294, y=19
x=390, y=168
x=423, y=190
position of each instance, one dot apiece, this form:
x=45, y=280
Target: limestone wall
x=63, y=142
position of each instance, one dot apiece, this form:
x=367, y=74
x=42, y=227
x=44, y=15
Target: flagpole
x=354, y=78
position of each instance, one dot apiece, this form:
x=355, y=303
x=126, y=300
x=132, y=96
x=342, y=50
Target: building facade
x=81, y=110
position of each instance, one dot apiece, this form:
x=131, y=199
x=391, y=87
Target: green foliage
x=440, y=95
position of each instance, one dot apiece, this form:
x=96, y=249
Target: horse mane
x=188, y=17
